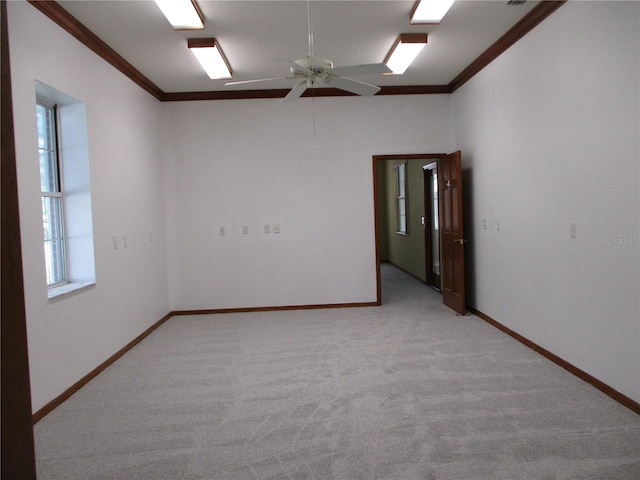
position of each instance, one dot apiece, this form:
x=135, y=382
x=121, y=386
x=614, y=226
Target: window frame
x=56, y=264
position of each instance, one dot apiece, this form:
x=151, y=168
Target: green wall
x=404, y=251
x=383, y=215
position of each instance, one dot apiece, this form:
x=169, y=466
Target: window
x=67, y=222
x=52, y=195
x=401, y=197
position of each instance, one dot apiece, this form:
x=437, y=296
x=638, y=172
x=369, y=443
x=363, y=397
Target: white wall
x=253, y=162
x=69, y=337
x=550, y=135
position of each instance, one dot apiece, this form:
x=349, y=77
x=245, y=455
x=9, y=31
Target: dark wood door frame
x=376, y=159
x=18, y=455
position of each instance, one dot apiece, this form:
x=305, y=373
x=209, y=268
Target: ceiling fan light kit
x=430, y=11
x=182, y=14
x=404, y=51
x=210, y=56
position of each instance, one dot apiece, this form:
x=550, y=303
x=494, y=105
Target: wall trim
x=581, y=374
x=217, y=311
x=68, y=22
x=603, y=387
x=515, y=33
x=60, y=399
x=282, y=92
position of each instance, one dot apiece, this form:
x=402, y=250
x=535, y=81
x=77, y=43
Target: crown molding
x=515, y=33
x=64, y=19
x=59, y=15
x=281, y=92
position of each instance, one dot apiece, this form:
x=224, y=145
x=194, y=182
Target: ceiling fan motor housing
x=313, y=64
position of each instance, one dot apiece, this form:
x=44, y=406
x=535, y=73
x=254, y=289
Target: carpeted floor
x=407, y=390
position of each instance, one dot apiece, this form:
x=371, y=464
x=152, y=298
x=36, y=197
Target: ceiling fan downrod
x=309, y=28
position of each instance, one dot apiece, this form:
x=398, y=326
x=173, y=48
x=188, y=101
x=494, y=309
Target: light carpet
x=407, y=390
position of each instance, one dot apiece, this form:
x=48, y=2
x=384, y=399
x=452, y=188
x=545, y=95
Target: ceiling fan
x=313, y=72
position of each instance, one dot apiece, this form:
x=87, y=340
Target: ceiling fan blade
x=353, y=86
x=367, y=69
x=296, y=66
x=296, y=91
x=258, y=80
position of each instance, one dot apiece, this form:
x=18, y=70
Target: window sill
x=68, y=289
x=402, y=233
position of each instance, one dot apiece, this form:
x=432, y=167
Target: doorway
x=441, y=228
x=404, y=250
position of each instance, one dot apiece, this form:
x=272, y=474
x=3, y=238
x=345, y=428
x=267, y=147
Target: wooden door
x=451, y=232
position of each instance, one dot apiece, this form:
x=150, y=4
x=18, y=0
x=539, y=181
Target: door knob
x=460, y=241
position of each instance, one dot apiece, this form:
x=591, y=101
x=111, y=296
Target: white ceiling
x=253, y=33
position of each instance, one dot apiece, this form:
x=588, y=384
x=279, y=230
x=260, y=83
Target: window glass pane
x=402, y=209
x=52, y=221
x=41, y=115
x=403, y=225
x=402, y=204
x=53, y=239
x=48, y=174
x=401, y=180
x=47, y=148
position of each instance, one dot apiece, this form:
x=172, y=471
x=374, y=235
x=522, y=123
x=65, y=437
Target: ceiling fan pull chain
x=313, y=110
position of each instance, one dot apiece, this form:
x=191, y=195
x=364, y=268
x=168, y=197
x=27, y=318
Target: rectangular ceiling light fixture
x=404, y=51
x=182, y=14
x=430, y=11
x=210, y=56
